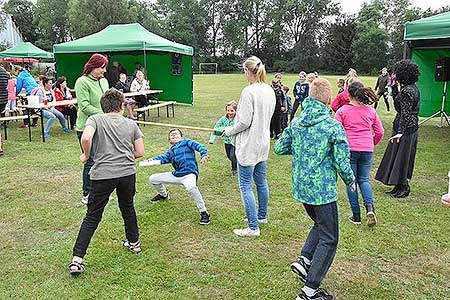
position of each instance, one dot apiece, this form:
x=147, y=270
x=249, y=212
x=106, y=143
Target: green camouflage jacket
x=320, y=150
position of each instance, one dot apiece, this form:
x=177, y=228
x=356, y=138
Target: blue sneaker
x=66, y=130
x=47, y=135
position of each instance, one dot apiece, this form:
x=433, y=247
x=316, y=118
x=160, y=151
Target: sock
x=309, y=291
x=306, y=260
x=77, y=259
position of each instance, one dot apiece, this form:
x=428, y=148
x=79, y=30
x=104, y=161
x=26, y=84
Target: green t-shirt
x=113, y=146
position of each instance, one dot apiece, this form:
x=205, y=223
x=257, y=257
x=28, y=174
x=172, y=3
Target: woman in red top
x=63, y=93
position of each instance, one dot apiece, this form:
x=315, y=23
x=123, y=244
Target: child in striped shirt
x=182, y=157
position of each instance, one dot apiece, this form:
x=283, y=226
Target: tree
x=52, y=24
x=22, y=11
x=90, y=16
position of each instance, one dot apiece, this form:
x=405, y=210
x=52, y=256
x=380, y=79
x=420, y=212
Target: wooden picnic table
x=41, y=106
x=146, y=92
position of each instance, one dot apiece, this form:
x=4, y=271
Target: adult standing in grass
x=89, y=88
x=397, y=165
x=3, y=96
x=251, y=137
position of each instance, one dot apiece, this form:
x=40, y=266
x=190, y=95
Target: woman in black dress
x=397, y=165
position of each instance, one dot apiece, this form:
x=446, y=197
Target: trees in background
x=288, y=35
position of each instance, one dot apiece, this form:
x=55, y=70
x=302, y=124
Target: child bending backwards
x=117, y=142
x=360, y=120
x=182, y=157
x=319, y=151
x=227, y=121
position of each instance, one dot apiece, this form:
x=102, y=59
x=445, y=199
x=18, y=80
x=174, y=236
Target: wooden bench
x=141, y=111
x=5, y=121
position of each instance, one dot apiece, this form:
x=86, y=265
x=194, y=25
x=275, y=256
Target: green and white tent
x=25, y=50
x=427, y=40
x=168, y=64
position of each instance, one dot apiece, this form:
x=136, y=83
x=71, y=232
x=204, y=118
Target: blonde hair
x=321, y=90
x=233, y=104
x=255, y=66
x=350, y=80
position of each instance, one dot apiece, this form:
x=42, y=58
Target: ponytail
x=363, y=94
x=256, y=67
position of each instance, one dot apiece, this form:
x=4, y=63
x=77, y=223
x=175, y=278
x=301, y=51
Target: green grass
x=407, y=256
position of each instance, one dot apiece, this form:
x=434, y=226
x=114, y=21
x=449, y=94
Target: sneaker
x=300, y=268
x=66, y=130
x=132, y=247
x=263, y=221
x=371, y=219
x=204, y=218
x=47, y=135
x=355, y=218
x=158, y=197
x=234, y=173
x=320, y=294
x=247, y=232
x=85, y=199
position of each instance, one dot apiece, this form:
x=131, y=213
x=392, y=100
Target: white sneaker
x=247, y=232
x=262, y=221
x=84, y=200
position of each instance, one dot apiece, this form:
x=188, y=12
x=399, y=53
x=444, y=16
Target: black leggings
x=230, y=151
x=386, y=100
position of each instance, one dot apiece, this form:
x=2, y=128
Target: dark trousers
x=141, y=100
x=230, y=151
x=294, y=108
x=284, y=121
x=87, y=167
x=386, y=100
x=98, y=198
x=72, y=113
x=320, y=246
x=275, y=124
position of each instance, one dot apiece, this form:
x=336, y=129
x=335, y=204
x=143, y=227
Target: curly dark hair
x=406, y=71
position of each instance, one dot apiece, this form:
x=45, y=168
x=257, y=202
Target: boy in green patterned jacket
x=320, y=151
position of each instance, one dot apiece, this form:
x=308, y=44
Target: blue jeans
x=50, y=115
x=321, y=243
x=247, y=174
x=361, y=162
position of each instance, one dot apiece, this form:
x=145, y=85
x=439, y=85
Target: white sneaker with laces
x=262, y=221
x=247, y=232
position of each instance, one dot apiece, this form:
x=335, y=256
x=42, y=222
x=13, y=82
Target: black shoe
x=300, y=268
x=402, y=192
x=371, y=216
x=355, y=218
x=158, y=197
x=204, y=218
x=393, y=191
x=320, y=294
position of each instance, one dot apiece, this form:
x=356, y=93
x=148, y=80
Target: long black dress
x=397, y=164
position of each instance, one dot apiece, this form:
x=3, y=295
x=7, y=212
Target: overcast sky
x=353, y=6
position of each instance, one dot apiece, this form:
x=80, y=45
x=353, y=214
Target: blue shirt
x=301, y=91
x=25, y=80
x=182, y=157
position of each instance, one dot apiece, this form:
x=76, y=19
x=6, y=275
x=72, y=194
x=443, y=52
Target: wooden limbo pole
x=175, y=126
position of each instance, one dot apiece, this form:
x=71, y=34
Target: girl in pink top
x=364, y=130
x=11, y=105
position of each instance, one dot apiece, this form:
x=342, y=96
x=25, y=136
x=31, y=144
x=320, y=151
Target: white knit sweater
x=251, y=132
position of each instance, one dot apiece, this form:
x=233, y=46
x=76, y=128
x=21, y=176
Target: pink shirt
x=362, y=126
x=11, y=89
x=340, y=100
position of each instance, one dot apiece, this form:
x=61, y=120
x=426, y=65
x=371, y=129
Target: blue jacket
x=25, y=80
x=320, y=151
x=301, y=91
x=182, y=157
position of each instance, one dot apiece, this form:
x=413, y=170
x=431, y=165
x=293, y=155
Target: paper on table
x=146, y=163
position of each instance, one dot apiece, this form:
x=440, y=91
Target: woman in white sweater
x=251, y=137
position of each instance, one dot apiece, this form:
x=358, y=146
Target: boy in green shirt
x=320, y=151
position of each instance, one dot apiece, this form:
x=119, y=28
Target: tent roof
x=123, y=37
x=434, y=27
x=26, y=50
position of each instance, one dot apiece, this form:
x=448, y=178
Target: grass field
x=407, y=256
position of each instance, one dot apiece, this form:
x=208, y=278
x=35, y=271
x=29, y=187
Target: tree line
x=288, y=35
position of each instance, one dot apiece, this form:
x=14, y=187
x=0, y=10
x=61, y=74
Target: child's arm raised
x=196, y=146
x=341, y=155
x=283, y=145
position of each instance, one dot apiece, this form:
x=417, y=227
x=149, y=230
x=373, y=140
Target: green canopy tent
x=426, y=40
x=168, y=64
x=25, y=50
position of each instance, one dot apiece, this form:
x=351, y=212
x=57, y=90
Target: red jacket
x=340, y=100
x=60, y=97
